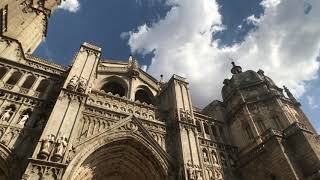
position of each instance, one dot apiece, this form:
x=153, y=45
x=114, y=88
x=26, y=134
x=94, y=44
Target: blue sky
x=196, y=39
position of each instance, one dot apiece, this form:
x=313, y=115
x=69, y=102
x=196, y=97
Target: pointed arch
x=14, y=78
x=3, y=71
x=43, y=85
x=27, y=84
x=121, y=142
x=144, y=95
x=115, y=85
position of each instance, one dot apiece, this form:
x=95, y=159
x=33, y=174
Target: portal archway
x=121, y=159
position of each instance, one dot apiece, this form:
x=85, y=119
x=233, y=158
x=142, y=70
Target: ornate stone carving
x=46, y=146
x=24, y=118
x=71, y=153
x=82, y=85
x=73, y=83
x=60, y=148
x=7, y=114
x=185, y=116
x=26, y=6
x=193, y=171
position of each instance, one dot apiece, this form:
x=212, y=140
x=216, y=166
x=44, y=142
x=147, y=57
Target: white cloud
x=70, y=5
x=285, y=44
x=312, y=102
x=252, y=19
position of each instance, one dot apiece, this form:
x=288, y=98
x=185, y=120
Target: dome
x=241, y=79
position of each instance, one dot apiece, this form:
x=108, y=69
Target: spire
x=161, y=78
x=235, y=69
x=290, y=95
x=130, y=59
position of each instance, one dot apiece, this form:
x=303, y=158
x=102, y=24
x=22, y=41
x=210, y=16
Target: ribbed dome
x=239, y=80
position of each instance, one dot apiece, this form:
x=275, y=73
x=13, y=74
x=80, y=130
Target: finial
x=290, y=95
x=161, y=77
x=130, y=57
x=235, y=69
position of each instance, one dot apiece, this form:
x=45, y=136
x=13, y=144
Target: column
x=8, y=75
x=35, y=85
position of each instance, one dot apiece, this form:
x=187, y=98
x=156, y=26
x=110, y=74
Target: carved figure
x=46, y=146
x=71, y=153
x=82, y=85
x=7, y=115
x=73, y=83
x=61, y=145
x=205, y=156
x=24, y=119
x=7, y=138
x=191, y=171
x=214, y=157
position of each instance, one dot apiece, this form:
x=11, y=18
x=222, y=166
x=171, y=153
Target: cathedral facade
x=105, y=119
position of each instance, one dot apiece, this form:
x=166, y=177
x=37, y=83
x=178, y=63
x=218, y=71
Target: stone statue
x=205, y=156
x=7, y=115
x=24, y=119
x=60, y=148
x=72, y=83
x=214, y=157
x=199, y=174
x=290, y=95
x=82, y=85
x=7, y=138
x=71, y=153
x=46, y=146
x=191, y=171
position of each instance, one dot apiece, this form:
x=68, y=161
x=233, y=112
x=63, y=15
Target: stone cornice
x=46, y=62
x=217, y=145
x=35, y=62
x=296, y=127
x=29, y=100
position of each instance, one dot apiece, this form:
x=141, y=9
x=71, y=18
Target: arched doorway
x=144, y=95
x=114, y=88
x=126, y=159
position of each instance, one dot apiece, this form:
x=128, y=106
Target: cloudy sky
x=197, y=38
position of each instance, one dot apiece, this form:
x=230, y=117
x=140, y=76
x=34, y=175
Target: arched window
x=277, y=122
x=214, y=131
x=114, y=88
x=14, y=78
x=43, y=85
x=223, y=159
x=261, y=125
x=198, y=126
x=3, y=71
x=214, y=157
x=206, y=128
x=248, y=132
x=144, y=95
x=205, y=155
x=29, y=82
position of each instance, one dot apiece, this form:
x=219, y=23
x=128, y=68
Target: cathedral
x=103, y=119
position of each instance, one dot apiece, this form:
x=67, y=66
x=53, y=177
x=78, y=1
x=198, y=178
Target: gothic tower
x=109, y=119
x=24, y=24
x=274, y=137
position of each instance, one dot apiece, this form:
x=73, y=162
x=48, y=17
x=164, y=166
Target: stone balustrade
x=122, y=105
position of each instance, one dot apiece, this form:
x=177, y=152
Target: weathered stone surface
x=101, y=119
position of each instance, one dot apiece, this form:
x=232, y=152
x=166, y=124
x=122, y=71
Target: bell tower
x=25, y=23
x=267, y=125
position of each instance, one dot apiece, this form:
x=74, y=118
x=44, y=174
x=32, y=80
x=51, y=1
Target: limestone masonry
x=103, y=119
